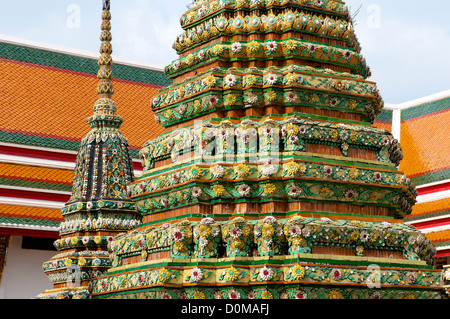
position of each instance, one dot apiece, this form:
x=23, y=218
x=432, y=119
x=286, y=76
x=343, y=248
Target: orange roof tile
x=57, y=102
x=34, y=173
x=439, y=236
x=426, y=144
x=30, y=212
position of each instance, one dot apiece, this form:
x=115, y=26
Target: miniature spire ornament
x=99, y=207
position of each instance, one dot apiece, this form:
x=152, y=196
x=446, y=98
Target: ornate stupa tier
x=255, y=168
x=208, y=21
x=306, y=91
x=201, y=9
x=281, y=52
x=253, y=58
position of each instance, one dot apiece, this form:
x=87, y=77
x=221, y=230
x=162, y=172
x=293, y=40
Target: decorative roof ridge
x=419, y=102
x=85, y=54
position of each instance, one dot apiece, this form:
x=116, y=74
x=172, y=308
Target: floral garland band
x=269, y=136
x=282, y=278
x=231, y=89
x=287, y=48
x=296, y=235
x=274, y=292
x=219, y=79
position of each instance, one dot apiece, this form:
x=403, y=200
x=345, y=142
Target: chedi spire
x=99, y=207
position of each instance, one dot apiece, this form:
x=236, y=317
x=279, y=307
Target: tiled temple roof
x=43, y=94
x=423, y=127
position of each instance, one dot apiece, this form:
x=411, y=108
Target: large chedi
x=270, y=181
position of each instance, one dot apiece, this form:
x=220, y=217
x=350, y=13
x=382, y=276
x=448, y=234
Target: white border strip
x=433, y=197
x=23, y=160
x=433, y=184
x=31, y=203
x=44, y=149
x=28, y=227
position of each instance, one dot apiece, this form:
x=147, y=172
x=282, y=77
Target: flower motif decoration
x=219, y=190
x=268, y=169
x=242, y=170
x=231, y=274
x=217, y=171
x=269, y=189
x=271, y=79
x=196, y=274
x=164, y=275
x=230, y=80
x=272, y=46
x=300, y=294
x=196, y=192
x=234, y=294
x=236, y=47
x=244, y=190
x=266, y=273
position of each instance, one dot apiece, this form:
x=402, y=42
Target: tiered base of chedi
x=270, y=181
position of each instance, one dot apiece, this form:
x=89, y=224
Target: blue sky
x=405, y=42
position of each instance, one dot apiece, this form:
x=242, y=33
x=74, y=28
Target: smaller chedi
x=99, y=207
x=270, y=180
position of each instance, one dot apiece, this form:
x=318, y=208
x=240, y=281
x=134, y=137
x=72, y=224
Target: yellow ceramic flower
x=302, y=168
x=270, y=96
x=325, y=191
x=74, y=240
x=218, y=49
x=266, y=295
x=353, y=137
x=334, y=135
x=98, y=240
x=291, y=44
x=334, y=294
x=292, y=129
x=242, y=170
x=253, y=46
x=250, y=79
x=292, y=168
x=354, y=235
x=82, y=262
x=267, y=230
x=197, y=105
x=189, y=59
x=313, y=98
x=291, y=78
x=230, y=99
x=246, y=231
x=164, y=275
x=269, y=189
x=204, y=231
x=298, y=272
x=354, y=173
x=169, y=114
x=353, y=104
x=219, y=190
x=68, y=262
x=199, y=295
x=210, y=80
x=196, y=172
x=231, y=274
